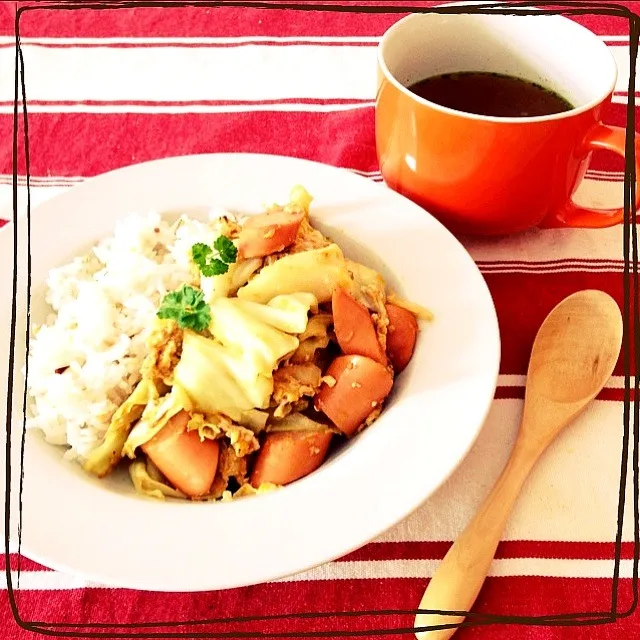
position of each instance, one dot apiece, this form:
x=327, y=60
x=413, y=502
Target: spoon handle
x=460, y=576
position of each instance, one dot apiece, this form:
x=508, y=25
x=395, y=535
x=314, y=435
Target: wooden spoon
x=573, y=356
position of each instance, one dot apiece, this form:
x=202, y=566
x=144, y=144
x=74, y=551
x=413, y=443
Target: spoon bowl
x=574, y=354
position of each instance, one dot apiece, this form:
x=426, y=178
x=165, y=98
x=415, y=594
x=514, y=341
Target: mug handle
x=601, y=138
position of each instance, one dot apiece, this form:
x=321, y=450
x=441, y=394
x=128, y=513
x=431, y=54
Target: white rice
x=104, y=303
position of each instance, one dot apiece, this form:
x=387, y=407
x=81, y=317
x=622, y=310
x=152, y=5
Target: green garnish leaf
x=214, y=268
x=187, y=307
x=203, y=256
x=227, y=251
x=200, y=252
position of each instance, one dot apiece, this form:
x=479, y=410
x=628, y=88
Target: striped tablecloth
x=114, y=87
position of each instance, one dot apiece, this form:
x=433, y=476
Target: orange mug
x=486, y=175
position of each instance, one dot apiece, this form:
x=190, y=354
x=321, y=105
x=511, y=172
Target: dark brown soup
x=490, y=94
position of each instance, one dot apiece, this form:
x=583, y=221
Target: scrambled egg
x=315, y=337
x=229, y=227
x=291, y=383
x=229, y=466
x=214, y=426
x=165, y=348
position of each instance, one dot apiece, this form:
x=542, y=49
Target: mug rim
x=483, y=118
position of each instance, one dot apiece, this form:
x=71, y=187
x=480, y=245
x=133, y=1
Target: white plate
x=104, y=532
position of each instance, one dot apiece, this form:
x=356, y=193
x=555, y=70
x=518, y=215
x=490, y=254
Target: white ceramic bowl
x=104, y=532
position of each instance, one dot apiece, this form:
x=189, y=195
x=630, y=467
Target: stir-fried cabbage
x=106, y=456
x=315, y=337
x=368, y=287
x=233, y=372
x=214, y=287
x=317, y=271
x=248, y=490
x=155, y=416
x=148, y=481
x=287, y=313
x=242, y=272
x=203, y=373
x=226, y=284
x=412, y=307
x=212, y=427
x=300, y=197
x=300, y=422
x=253, y=419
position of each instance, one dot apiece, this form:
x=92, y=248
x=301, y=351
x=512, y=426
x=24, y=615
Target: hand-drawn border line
x=630, y=282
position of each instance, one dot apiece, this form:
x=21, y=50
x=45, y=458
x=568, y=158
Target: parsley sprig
x=187, y=307
x=209, y=264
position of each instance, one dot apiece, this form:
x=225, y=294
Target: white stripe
x=301, y=107
x=168, y=74
x=598, y=172
x=504, y=567
x=254, y=72
x=368, y=174
x=198, y=108
x=41, y=181
x=367, y=570
x=45, y=581
x=204, y=40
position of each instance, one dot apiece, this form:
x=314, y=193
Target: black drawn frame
x=631, y=317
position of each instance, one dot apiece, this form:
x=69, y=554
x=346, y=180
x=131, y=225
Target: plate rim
x=492, y=373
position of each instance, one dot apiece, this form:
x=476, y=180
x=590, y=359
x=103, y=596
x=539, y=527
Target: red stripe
x=509, y=393
x=523, y=301
x=528, y=596
x=433, y=550
x=227, y=21
x=197, y=22
x=62, y=144
x=24, y=563
x=611, y=395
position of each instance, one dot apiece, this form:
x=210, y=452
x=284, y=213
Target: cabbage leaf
x=232, y=372
x=154, y=417
x=148, y=481
x=102, y=460
x=317, y=271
